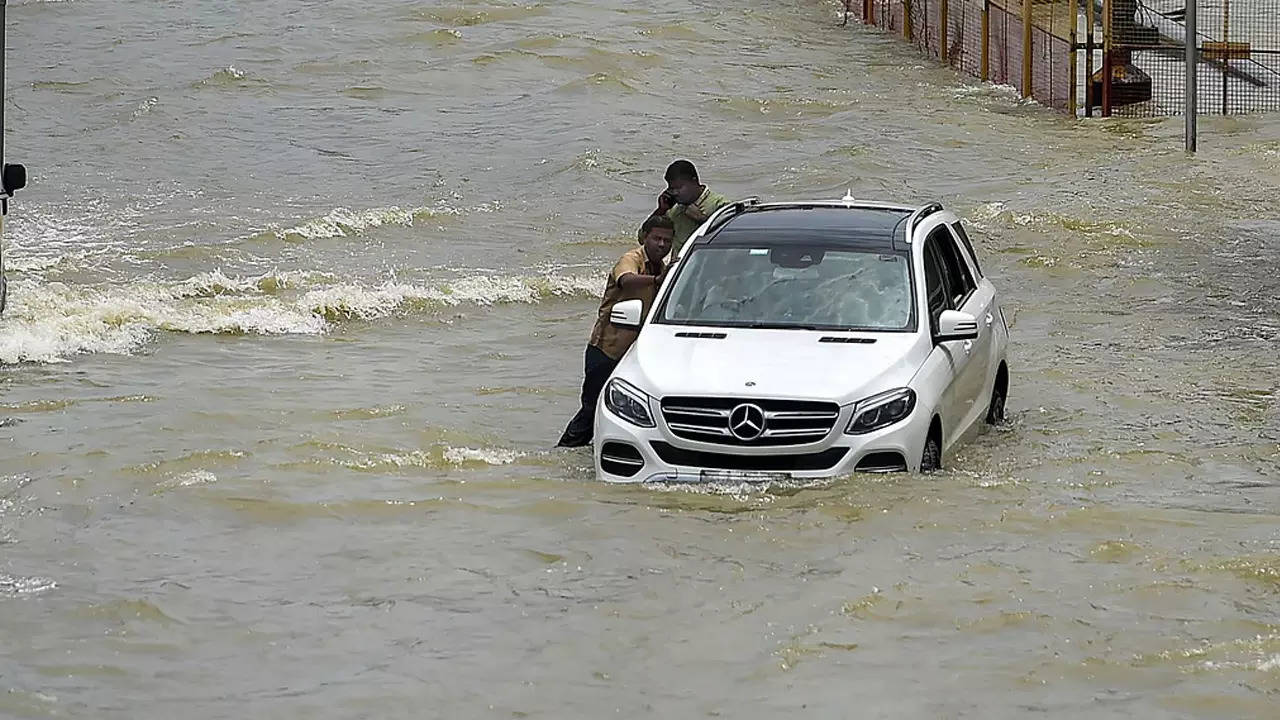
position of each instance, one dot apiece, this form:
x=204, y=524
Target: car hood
x=769, y=363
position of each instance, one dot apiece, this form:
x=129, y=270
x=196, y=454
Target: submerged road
x=299, y=293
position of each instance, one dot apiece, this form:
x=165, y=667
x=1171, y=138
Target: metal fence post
x=985, y=62
x=1226, y=40
x=1026, y=48
x=1088, y=62
x=1106, y=58
x=1072, y=87
x=942, y=33
x=1193, y=85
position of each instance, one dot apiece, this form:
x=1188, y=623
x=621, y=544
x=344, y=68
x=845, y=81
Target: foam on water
x=763, y=491
x=145, y=107
x=14, y=585
x=346, y=301
x=187, y=479
x=344, y=222
x=439, y=457
x=53, y=321
x=480, y=456
x=229, y=77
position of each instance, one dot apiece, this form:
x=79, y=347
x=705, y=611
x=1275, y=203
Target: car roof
x=868, y=228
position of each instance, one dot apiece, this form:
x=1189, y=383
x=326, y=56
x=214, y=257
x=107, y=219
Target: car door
x=966, y=295
x=987, y=307
x=953, y=405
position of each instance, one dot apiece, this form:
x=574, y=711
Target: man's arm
x=630, y=273
x=633, y=281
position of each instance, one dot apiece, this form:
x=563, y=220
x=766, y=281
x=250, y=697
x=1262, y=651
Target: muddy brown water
x=299, y=293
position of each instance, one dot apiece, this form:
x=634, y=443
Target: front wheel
x=931, y=460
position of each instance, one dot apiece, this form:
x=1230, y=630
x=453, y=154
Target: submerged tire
x=995, y=411
x=931, y=459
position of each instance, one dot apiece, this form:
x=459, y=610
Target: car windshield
x=786, y=286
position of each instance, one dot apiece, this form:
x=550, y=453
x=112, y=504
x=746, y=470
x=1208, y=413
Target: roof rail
x=727, y=211
x=921, y=213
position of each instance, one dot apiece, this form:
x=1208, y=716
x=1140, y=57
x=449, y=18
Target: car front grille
x=786, y=422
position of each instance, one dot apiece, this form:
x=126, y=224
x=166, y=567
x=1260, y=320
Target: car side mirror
x=626, y=314
x=14, y=178
x=956, y=325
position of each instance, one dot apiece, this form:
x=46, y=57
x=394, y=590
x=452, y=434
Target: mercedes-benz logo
x=746, y=422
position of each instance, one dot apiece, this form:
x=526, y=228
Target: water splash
x=55, y=321
x=190, y=478
x=12, y=585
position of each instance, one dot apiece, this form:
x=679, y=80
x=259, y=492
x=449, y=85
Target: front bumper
x=625, y=453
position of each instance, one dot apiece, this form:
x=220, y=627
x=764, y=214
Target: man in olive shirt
x=687, y=202
x=636, y=275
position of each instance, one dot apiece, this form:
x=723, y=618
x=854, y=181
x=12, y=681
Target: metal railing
x=1026, y=44
x=1142, y=66
x=1136, y=58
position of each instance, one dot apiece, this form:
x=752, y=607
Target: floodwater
x=299, y=294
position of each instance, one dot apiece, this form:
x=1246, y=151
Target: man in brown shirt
x=636, y=275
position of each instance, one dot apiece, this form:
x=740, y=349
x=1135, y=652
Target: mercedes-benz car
x=807, y=340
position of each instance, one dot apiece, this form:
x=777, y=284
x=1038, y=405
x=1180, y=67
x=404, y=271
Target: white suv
x=807, y=340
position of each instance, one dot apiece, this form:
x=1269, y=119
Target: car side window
x=963, y=236
x=955, y=271
x=935, y=287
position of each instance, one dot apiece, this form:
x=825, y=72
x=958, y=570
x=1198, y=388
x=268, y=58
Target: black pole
x=3, y=5
x=1193, y=84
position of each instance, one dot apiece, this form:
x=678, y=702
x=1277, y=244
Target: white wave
x=345, y=222
x=992, y=91
x=14, y=585
x=32, y=263
x=355, y=301
x=145, y=107
x=341, y=222
x=51, y=322
x=434, y=458
x=189, y=479
x=487, y=456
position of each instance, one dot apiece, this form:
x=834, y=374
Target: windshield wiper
x=784, y=326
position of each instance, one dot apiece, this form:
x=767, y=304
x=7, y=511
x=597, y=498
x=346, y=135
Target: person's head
x=682, y=181
x=656, y=235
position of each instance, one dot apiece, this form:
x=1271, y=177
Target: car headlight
x=627, y=402
x=881, y=411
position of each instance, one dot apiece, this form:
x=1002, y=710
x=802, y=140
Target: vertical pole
x=1090, y=19
x=906, y=19
x=1106, y=58
x=1226, y=38
x=1026, y=48
x=942, y=33
x=1072, y=68
x=868, y=12
x=2, y=46
x=924, y=20
x=985, y=62
x=1193, y=87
